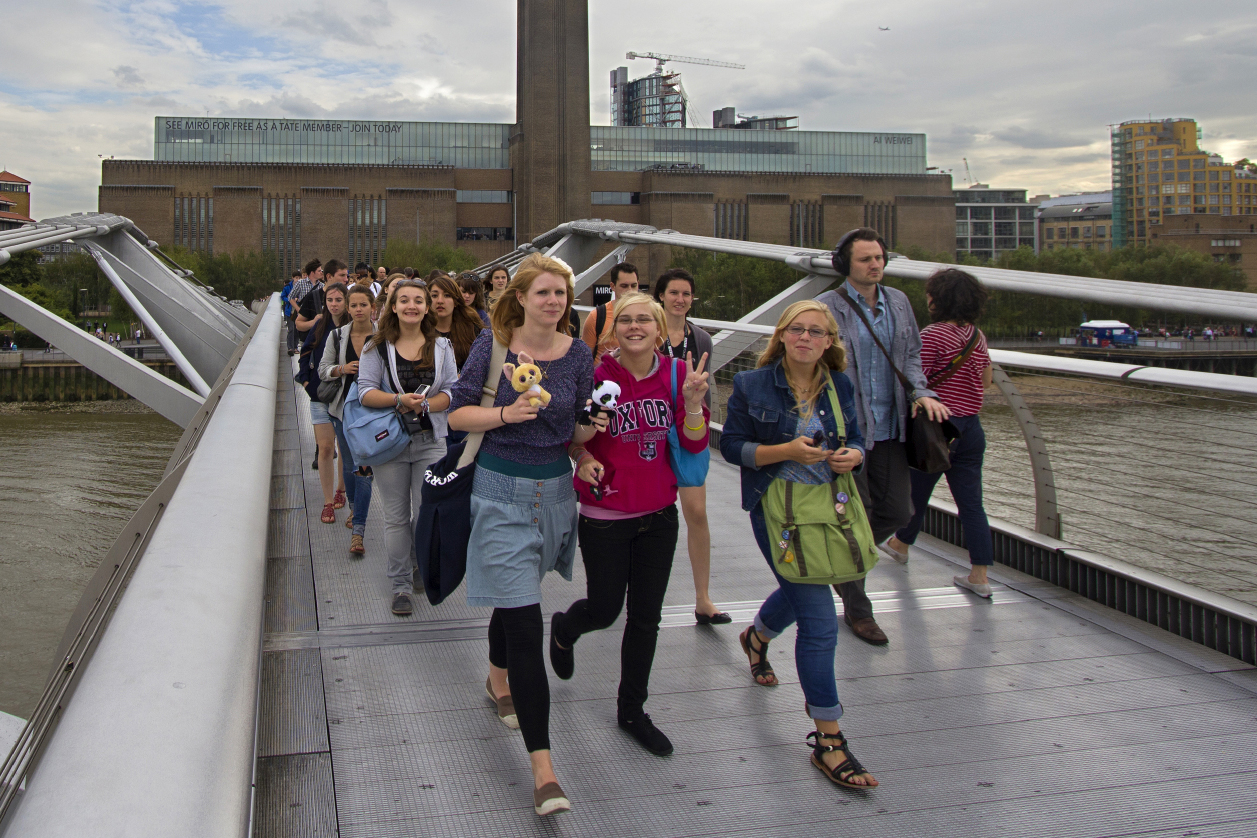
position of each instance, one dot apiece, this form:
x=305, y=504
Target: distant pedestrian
x=957, y=367
x=473, y=295
x=332, y=317
x=495, y=285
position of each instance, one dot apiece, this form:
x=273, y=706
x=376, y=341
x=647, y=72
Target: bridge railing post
x=1047, y=518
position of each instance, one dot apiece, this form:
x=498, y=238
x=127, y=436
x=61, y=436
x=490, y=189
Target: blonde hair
x=508, y=311
x=834, y=358
x=636, y=298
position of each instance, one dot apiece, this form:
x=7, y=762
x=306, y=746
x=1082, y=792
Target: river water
x=70, y=482
x=1165, y=483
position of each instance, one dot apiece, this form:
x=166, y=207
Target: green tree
x=425, y=255
x=242, y=275
x=728, y=286
x=22, y=270
x=74, y=272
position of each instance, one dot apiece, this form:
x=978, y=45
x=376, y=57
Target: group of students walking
x=818, y=430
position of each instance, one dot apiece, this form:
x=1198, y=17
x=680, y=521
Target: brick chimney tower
x=550, y=145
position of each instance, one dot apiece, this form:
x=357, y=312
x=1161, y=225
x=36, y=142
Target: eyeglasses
x=641, y=320
x=815, y=332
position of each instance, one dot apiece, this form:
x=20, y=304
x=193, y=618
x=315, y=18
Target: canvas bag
x=443, y=527
x=690, y=467
x=810, y=541
x=375, y=434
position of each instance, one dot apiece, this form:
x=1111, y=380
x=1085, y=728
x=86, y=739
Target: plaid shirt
x=299, y=289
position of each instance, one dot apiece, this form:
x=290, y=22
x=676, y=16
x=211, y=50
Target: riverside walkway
x=1038, y=713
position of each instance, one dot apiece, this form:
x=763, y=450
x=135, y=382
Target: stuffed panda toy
x=605, y=397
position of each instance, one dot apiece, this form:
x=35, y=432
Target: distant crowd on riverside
x=499, y=432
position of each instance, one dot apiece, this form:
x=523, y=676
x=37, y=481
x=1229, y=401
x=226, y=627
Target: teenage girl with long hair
x=454, y=318
x=473, y=295
x=334, y=316
x=494, y=285
x=343, y=366
x=523, y=505
x=410, y=368
x=774, y=414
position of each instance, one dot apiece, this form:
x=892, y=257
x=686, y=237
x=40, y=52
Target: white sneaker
x=982, y=590
x=885, y=547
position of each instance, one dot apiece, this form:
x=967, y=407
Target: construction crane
x=968, y=175
x=660, y=60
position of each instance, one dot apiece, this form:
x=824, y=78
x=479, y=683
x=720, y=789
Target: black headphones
x=842, y=262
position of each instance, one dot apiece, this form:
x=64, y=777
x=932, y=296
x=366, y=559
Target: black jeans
x=515, y=644
x=292, y=333
x=885, y=487
x=633, y=555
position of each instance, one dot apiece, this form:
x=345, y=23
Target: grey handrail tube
x=159, y=739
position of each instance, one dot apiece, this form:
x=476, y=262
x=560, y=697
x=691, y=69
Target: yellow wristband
x=699, y=428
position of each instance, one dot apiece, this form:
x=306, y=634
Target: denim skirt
x=521, y=529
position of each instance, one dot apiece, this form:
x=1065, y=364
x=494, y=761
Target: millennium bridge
x=230, y=671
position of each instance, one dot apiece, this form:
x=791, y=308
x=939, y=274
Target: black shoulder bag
x=928, y=442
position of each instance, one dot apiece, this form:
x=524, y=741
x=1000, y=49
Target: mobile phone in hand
x=423, y=391
x=818, y=439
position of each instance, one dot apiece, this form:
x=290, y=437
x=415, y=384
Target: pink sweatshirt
x=634, y=448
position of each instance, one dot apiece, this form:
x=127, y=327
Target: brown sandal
x=843, y=771
x=762, y=669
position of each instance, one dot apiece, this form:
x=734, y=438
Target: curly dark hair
x=955, y=295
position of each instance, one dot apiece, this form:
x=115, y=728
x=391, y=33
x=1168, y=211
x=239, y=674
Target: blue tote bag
x=375, y=434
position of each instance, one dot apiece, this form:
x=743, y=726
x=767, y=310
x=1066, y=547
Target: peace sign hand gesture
x=695, y=387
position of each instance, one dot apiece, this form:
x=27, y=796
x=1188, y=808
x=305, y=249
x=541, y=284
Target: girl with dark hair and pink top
x=628, y=515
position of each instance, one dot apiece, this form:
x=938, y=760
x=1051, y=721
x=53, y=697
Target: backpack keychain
x=784, y=544
x=840, y=502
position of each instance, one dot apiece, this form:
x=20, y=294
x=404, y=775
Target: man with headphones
x=880, y=400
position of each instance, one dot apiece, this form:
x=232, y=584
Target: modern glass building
x=480, y=145
x=992, y=221
x=464, y=145
x=632, y=149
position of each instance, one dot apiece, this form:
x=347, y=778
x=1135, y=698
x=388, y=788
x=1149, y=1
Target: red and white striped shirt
x=940, y=343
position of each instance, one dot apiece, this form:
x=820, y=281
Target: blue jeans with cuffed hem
x=964, y=478
x=357, y=489
x=812, y=608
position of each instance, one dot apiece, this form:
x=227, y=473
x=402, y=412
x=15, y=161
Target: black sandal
x=843, y=771
x=762, y=669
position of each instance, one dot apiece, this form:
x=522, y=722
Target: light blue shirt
x=877, y=376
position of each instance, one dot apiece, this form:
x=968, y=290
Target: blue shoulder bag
x=689, y=467
x=375, y=434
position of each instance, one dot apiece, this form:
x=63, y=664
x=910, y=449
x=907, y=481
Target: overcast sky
x=1024, y=90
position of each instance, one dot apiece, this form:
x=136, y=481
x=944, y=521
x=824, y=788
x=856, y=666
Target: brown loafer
x=867, y=629
x=506, y=708
x=550, y=799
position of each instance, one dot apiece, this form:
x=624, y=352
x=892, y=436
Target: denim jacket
x=761, y=411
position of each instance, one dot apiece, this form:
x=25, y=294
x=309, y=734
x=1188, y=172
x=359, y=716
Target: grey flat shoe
x=981, y=590
x=885, y=547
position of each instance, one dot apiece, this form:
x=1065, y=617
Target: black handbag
x=443, y=528
x=329, y=391
x=928, y=442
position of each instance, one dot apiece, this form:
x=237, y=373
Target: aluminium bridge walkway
x=1039, y=713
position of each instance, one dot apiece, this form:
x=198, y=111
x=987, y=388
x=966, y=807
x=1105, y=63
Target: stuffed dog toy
x=526, y=378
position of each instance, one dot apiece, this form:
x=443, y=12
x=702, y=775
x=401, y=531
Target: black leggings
x=633, y=555
x=515, y=645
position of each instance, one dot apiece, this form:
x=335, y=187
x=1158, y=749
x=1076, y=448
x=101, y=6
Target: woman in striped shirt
x=955, y=361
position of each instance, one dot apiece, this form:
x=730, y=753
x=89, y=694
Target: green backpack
x=819, y=534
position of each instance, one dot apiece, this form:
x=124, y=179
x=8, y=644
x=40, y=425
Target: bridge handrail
x=159, y=738
x=1223, y=305
x=1161, y=376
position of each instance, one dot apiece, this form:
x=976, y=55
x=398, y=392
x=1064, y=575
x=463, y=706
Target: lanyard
x=685, y=344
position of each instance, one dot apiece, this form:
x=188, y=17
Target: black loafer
x=402, y=606
x=641, y=728
x=717, y=619
x=562, y=661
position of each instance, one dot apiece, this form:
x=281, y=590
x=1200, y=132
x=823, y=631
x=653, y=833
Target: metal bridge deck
x=1037, y=714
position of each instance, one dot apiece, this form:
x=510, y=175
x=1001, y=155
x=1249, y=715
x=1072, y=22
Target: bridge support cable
x=1047, y=518
x=159, y=738
x=172, y=400
x=589, y=275
x=172, y=349
x=728, y=344
x=1127, y=372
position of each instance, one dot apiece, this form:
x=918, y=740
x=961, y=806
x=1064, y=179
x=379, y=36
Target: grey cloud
x=126, y=76
x=1040, y=138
